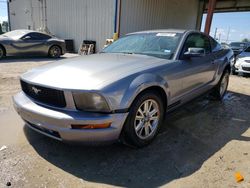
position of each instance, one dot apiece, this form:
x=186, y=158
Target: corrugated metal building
x=99, y=19
x=157, y=14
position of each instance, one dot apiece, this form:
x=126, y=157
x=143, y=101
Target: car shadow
x=192, y=134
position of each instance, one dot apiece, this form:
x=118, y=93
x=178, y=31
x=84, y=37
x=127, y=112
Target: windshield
x=161, y=45
x=17, y=34
x=238, y=44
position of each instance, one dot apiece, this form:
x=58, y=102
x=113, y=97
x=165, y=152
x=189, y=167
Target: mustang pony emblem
x=36, y=91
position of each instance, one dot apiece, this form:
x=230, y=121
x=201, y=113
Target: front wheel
x=221, y=89
x=1, y=52
x=55, y=52
x=144, y=119
x=246, y=74
x=234, y=72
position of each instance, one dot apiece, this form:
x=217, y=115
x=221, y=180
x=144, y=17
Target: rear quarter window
x=215, y=46
x=248, y=49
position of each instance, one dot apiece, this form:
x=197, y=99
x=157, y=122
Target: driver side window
x=197, y=41
x=36, y=36
x=28, y=37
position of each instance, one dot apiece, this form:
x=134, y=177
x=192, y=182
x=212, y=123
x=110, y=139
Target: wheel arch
x=223, y=66
x=155, y=88
x=55, y=45
x=144, y=83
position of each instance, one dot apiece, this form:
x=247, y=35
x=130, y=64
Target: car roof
x=239, y=42
x=162, y=31
x=180, y=31
x=26, y=31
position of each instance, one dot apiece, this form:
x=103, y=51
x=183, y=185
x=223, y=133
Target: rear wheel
x=55, y=52
x=144, y=120
x=1, y=52
x=221, y=89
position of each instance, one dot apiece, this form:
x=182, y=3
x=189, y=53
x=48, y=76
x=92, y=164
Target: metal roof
x=230, y=6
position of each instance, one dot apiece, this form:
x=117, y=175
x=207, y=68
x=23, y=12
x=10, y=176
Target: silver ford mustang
x=123, y=92
x=28, y=42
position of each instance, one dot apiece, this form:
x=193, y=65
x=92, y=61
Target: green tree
x=245, y=40
x=5, y=26
x=1, y=31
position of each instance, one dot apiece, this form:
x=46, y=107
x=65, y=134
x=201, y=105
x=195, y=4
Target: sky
x=234, y=25
x=3, y=11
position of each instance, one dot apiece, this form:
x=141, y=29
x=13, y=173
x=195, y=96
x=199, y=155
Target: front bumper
x=57, y=123
x=64, y=49
x=242, y=67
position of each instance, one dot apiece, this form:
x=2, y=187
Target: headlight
x=90, y=102
x=239, y=61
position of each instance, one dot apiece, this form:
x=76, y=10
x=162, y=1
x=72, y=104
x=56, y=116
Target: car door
x=31, y=44
x=197, y=72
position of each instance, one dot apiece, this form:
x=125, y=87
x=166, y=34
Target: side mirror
x=194, y=52
x=26, y=38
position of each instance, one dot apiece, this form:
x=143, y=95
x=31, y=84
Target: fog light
x=92, y=126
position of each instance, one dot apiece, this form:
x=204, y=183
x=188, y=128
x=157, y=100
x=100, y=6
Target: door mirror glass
x=194, y=52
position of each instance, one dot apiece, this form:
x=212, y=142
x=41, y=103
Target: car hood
x=237, y=48
x=3, y=38
x=91, y=72
x=246, y=59
x=244, y=54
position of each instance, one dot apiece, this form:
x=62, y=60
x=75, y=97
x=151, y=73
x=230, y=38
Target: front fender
x=125, y=97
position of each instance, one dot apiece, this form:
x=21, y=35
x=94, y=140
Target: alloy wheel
x=55, y=51
x=147, y=119
x=1, y=53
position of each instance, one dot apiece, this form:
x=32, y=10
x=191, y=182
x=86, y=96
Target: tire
x=2, y=52
x=234, y=72
x=221, y=88
x=146, y=121
x=55, y=51
x=246, y=74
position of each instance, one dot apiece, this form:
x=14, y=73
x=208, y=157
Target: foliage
x=245, y=40
x=1, y=31
x=5, y=26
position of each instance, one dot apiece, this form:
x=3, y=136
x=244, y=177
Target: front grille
x=48, y=96
x=248, y=61
x=246, y=68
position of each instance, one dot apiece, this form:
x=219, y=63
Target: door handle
x=213, y=61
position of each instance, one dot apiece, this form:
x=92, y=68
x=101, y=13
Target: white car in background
x=242, y=64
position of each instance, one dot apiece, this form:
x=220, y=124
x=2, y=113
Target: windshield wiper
x=127, y=53
x=117, y=52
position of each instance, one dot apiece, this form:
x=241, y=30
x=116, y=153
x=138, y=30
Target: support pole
x=210, y=12
x=9, y=23
x=215, y=33
x=117, y=18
